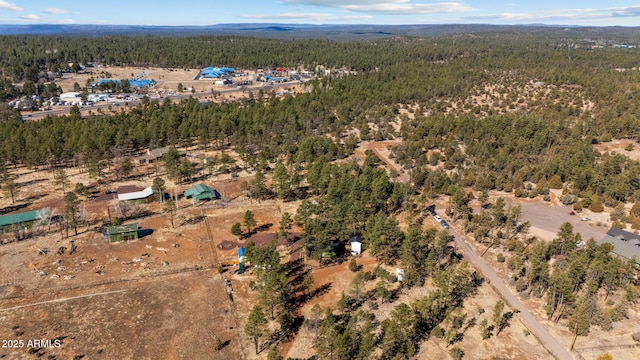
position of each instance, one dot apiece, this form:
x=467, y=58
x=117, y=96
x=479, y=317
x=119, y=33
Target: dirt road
x=547, y=340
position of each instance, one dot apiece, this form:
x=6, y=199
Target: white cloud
x=408, y=7
x=55, y=11
x=9, y=6
x=559, y=15
x=305, y=16
x=31, y=17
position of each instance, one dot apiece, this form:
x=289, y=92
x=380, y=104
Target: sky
x=389, y=12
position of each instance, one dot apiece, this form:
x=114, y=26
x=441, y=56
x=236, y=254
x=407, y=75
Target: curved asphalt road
x=547, y=340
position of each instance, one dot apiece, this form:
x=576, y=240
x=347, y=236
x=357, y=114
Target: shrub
x=596, y=206
x=500, y=258
x=618, y=225
x=438, y=332
x=577, y=206
x=555, y=182
x=353, y=265
x=521, y=285
x=456, y=353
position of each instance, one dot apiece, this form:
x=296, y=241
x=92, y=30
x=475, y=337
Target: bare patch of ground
x=620, y=147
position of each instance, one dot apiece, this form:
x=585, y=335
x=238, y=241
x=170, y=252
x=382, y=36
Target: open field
x=160, y=297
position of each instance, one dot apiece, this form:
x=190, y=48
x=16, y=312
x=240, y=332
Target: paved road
x=547, y=340
x=115, y=104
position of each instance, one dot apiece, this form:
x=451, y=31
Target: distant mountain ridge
x=293, y=31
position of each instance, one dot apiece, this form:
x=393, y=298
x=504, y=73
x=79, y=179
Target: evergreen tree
x=158, y=188
x=71, y=209
x=256, y=326
x=285, y=225
x=249, y=221
x=61, y=178
x=274, y=354
x=281, y=181
x=10, y=189
x=327, y=334
x=170, y=208
x=236, y=230
x=498, y=318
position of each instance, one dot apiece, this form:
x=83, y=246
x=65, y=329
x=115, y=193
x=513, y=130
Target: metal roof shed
x=23, y=217
x=138, y=195
x=202, y=192
x=122, y=232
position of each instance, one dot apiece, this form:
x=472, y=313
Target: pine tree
x=61, y=178
x=274, y=354
x=249, y=220
x=498, y=318
x=158, y=188
x=484, y=329
x=285, y=225
x=170, y=208
x=236, y=230
x=327, y=333
x=71, y=203
x=10, y=189
x=257, y=325
x=281, y=181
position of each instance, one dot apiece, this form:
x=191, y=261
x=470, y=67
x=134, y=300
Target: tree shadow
x=263, y=227
x=34, y=197
x=505, y=321
x=224, y=344
x=31, y=182
x=13, y=208
x=193, y=220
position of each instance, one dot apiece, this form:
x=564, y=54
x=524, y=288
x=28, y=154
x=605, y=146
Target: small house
x=356, y=245
x=155, y=155
x=625, y=244
x=122, y=232
x=202, y=192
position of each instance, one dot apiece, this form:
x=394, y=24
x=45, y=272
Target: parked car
x=444, y=224
x=585, y=218
x=438, y=218
x=572, y=212
x=109, y=192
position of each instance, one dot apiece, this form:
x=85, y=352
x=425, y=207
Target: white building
x=71, y=98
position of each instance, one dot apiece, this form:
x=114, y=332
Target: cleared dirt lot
x=548, y=218
x=173, y=316
x=160, y=297
x=620, y=147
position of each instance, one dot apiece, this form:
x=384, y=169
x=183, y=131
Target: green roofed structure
x=201, y=192
x=26, y=217
x=122, y=232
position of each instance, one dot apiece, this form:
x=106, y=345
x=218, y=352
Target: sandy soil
x=618, y=147
x=156, y=298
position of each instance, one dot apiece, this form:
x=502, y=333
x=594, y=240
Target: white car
x=438, y=218
x=585, y=219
